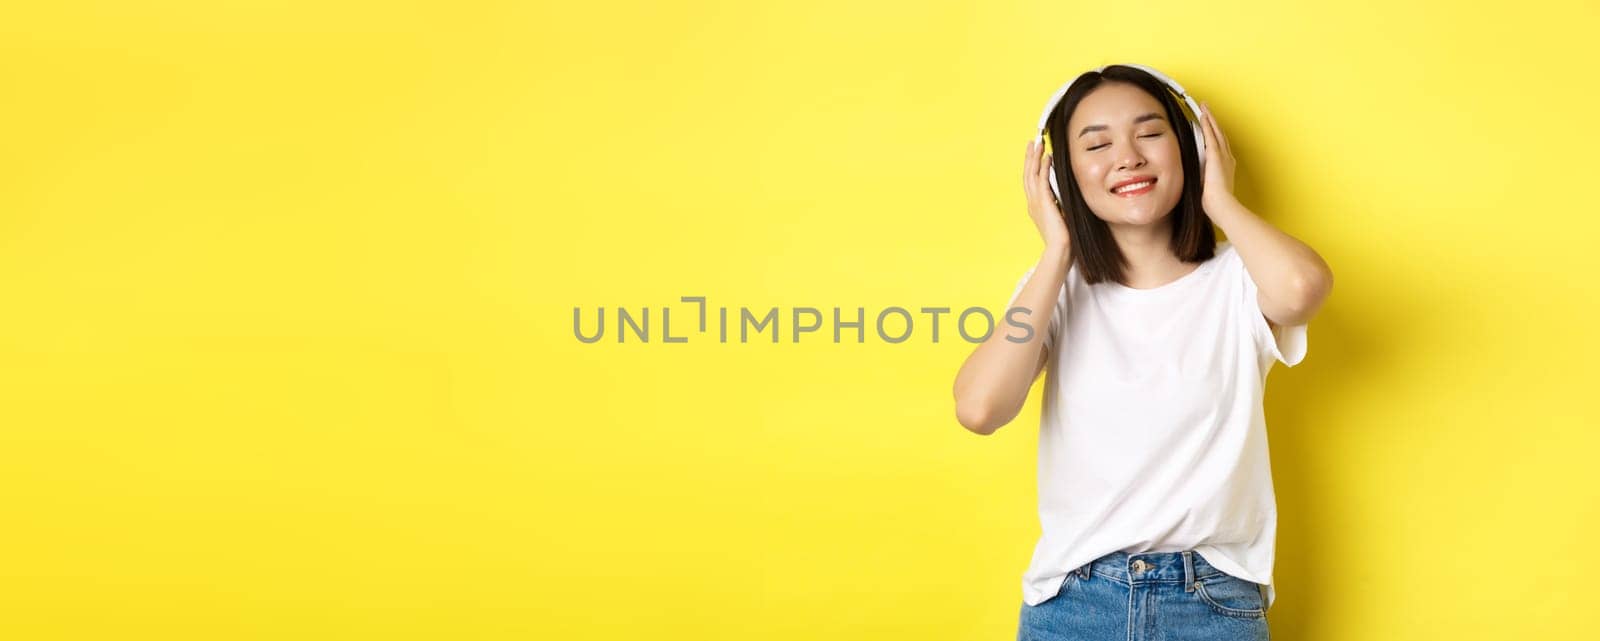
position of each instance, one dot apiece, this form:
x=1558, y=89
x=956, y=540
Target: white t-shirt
x=1151, y=431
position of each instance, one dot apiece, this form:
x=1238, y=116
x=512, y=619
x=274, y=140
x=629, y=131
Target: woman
x=1156, y=506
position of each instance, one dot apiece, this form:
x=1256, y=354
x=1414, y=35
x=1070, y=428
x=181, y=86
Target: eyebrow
x=1149, y=116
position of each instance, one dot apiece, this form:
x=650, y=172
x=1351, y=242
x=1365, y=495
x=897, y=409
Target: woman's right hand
x=1041, y=200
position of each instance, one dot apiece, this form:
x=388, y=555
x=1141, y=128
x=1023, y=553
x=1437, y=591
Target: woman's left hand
x=1219, y=161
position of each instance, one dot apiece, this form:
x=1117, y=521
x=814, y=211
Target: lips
x=1150, y=180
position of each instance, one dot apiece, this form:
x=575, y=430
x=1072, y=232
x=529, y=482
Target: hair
x=1094, y=249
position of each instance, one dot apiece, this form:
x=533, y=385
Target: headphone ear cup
x=1199, y=134
x=1055, y=187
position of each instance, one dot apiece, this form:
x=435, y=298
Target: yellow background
x=288, y=354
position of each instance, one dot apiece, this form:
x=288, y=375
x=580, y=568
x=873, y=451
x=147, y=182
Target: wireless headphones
x=1172, y=85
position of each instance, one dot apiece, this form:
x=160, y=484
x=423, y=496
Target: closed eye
x=1109, y=144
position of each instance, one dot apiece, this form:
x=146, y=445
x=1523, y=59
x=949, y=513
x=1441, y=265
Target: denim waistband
x=1184, y=567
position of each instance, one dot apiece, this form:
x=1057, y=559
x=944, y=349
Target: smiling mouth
x=1135, y=189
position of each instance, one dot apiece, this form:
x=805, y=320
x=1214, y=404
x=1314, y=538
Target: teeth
x=1138, y=185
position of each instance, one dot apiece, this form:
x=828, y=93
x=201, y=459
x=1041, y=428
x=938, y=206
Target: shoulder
x=1226, y=257
x=1224, y=251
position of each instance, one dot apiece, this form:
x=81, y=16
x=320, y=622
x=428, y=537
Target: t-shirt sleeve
x=1055, y=315
x=1287, y=344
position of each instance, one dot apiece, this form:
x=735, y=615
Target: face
x=1128, y=138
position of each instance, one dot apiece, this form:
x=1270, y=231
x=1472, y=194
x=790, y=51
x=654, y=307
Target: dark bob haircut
x=1094, y=250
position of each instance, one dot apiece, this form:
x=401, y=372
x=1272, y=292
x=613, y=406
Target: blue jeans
x=1166, y=596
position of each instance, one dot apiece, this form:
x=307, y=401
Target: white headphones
x=1192, y=116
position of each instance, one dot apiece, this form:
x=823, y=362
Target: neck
x=1148, y=251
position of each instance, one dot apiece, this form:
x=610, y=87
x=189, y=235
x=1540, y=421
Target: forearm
x=1292, y=278
x=993, y=383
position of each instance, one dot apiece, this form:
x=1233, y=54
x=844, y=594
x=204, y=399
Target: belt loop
x=1188, y=571
x=1083, y=570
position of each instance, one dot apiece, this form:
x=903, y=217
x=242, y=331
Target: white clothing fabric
x=1152, y=436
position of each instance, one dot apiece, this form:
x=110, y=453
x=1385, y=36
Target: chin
x=1139, y=215
x=1135, y=218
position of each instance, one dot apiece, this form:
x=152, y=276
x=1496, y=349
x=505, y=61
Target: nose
x=1130, y=158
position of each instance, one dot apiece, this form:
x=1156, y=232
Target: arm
x=1291, y=280
x=993, y=383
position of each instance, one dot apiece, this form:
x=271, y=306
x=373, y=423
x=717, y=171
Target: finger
x=1205, y=128
x=1216, y=129
x=1212, y=143
x=1041, y=167
x=1222, y=143
x=1031, y=175
x=1029, y=157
